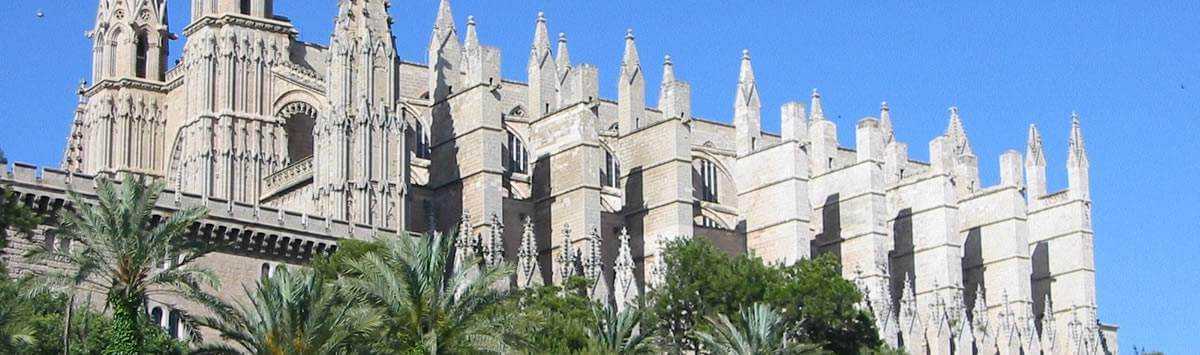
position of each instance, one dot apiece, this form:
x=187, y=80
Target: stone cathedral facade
x=294, y=146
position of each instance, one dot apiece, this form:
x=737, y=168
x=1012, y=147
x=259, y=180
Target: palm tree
x=429, y=306
x=16, y=331
x=759, y=330
x=618, y=332
x=288, y=313
x=120, y=249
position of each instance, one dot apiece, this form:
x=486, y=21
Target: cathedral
x=294, y=146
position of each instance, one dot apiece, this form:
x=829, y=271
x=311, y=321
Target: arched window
x=421, y=141
x=156, y=315
x=175, y=324
x=516, y=155
x=707, y=180
x=142, y=53
x=610, y=175
x=266, y=271
x=299, y=120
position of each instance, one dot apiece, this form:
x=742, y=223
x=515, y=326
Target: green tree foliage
x=289, y=313
x=758, y=330
x=14, y=216
x=41, y=317
x=553, y=319
x=429, y=306
x=120, y=249
x=620, y=333
x=817, y=305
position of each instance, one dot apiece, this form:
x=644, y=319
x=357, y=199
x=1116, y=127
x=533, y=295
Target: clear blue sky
x=1132, y=70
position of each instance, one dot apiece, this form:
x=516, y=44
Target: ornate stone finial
x=466, y=233
x=566, y=257
x=541, y=17
x=818, y=113
x=658, y=270
x=1034, y=151
x=470, y=20
x=885, y=123
x=562, y=37
x=494, y=247
x=624, y=286
x=745, y=54
x=593, y=266
x=629, y=34
x=958, y=134
x=527, y=263
x=1078, y=154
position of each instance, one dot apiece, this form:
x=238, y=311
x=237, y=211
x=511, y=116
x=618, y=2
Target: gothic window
x=421, y=140
x=244, y=7
x=175, y=324
x=516, y=155
x=299, y=119
x=707, y=180
x=142, y=53
x=610, y=175
x=266, y=271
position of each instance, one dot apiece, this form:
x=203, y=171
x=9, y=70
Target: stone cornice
x=275, y=26
x=132, y=83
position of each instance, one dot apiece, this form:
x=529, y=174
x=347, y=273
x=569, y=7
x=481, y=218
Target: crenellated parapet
x=252, y=230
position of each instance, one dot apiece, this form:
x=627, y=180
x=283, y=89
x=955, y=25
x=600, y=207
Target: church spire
x=1077, y=162
x=818, y=113
x=885, y=123
x=674, y=96
x=630, y=62
x=747, y=109
x=541, y=35
x=1035, y=167
x=958, y=134
x=543, y=76
x=668, y=70
x=1034, y=154
x=631, y=91
x=445, y=54
x=472, y=38
x=563, y=59
x=1077, y=154
x=444, y=23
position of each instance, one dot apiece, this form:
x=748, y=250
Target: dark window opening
x=244, y=8
x=610, y=175
x=517, y=155
x=421, y=137
x=143, y=46
x=708, y=181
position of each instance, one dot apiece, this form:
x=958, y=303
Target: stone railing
x=241, y=228
x=290, y=176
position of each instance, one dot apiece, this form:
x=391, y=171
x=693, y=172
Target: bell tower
x=119, y=123
x=360, y=170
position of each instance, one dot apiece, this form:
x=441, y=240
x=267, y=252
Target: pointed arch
x=112, y=51
x=141, y=54
x=299, y=119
